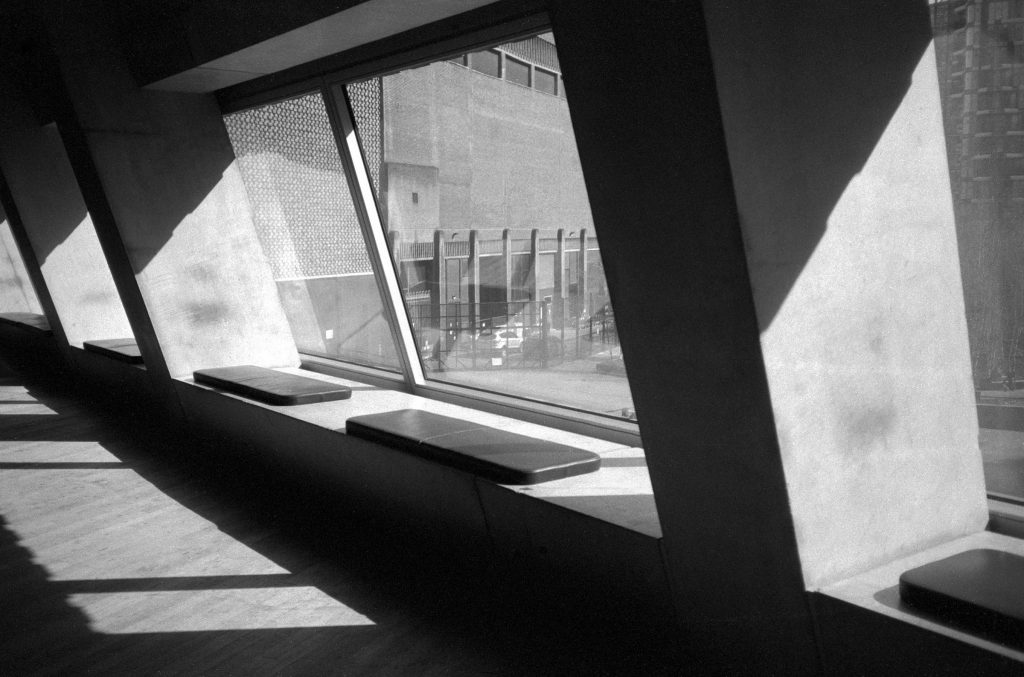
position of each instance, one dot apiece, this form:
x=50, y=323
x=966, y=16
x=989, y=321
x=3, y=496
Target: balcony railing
x=490, y=242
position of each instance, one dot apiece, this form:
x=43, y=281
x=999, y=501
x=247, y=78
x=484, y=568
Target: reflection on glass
x=309, y=231
x=979, y=46
x=480, y=189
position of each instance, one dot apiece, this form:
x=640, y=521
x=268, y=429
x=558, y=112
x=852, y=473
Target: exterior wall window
x=516, y=71
x=498, y=260
x=979, y=64
x=309, y=231
x=545, y=81
x=487, y=62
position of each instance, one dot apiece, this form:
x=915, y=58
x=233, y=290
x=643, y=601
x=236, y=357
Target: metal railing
x=512, y=335
x=490, y=242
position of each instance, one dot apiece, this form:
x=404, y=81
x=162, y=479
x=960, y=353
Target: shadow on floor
x=431, y=613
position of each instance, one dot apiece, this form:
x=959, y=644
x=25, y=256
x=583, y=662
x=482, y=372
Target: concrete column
x=533, y=280
x=506, y=258
x=662, y=198
x=57, y=226
x=474, y=278
x=856, y=279
x=16, y=292
x=160, y=179
x=561, y=288
x=802, y=382
x=439, y=286
x=582, y=268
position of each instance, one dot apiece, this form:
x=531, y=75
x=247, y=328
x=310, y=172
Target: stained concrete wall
x=174, y=205
x=16, y=292
x=58, y=225
x=843, y=189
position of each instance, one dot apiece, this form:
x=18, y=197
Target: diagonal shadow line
x=83, y=465
x=181, y=583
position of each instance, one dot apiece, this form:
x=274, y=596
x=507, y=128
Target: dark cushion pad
x=27, y=321
x=124, y=350
x=491, y=453
x=982, y=590
x=272, y=387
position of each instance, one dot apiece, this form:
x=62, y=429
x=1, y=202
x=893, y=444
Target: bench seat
x=498, y=455
x=31, y=321
x=270, y=386
x=122, y=350
x=980, y=590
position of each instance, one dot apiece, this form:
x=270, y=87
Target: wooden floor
x=120, y=554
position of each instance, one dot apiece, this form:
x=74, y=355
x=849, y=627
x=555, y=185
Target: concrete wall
x=844, y=196
x=645, y=111
x=174, y=208
x=16, y=292
x=58, y=225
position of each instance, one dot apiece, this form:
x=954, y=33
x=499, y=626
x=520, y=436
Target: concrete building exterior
x=456, y=152
x=980, y=53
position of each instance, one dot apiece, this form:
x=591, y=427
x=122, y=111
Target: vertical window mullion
x=340, y=114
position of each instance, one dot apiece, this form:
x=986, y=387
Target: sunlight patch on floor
x=46, y=451
x=205, y=610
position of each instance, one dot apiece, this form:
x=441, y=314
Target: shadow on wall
x=44, y=176
x=803, y=117
x=165, y=140
x=805, y=91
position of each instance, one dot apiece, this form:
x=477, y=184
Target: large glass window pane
x=307, y=225
x=480, y=189
x=980, y=53
x=545, y=82
x=516, y=71
x=487, y=62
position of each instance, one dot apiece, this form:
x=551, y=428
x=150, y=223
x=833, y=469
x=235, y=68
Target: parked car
x=500, y=337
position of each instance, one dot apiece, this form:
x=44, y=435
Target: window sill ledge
x=877, y=591
x=619, y=493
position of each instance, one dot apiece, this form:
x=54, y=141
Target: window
x=545, y=81
x=487, y=62
x=516, y=71
x=309, y=231
x=435, y=224
x=498, y=263
x=985, y=172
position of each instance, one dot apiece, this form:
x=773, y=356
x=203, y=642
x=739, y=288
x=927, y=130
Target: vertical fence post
x=474, y=289
x=506, y=256
x=533, y=279
x=581, y=287
x=545, y=330
x=439, y=295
